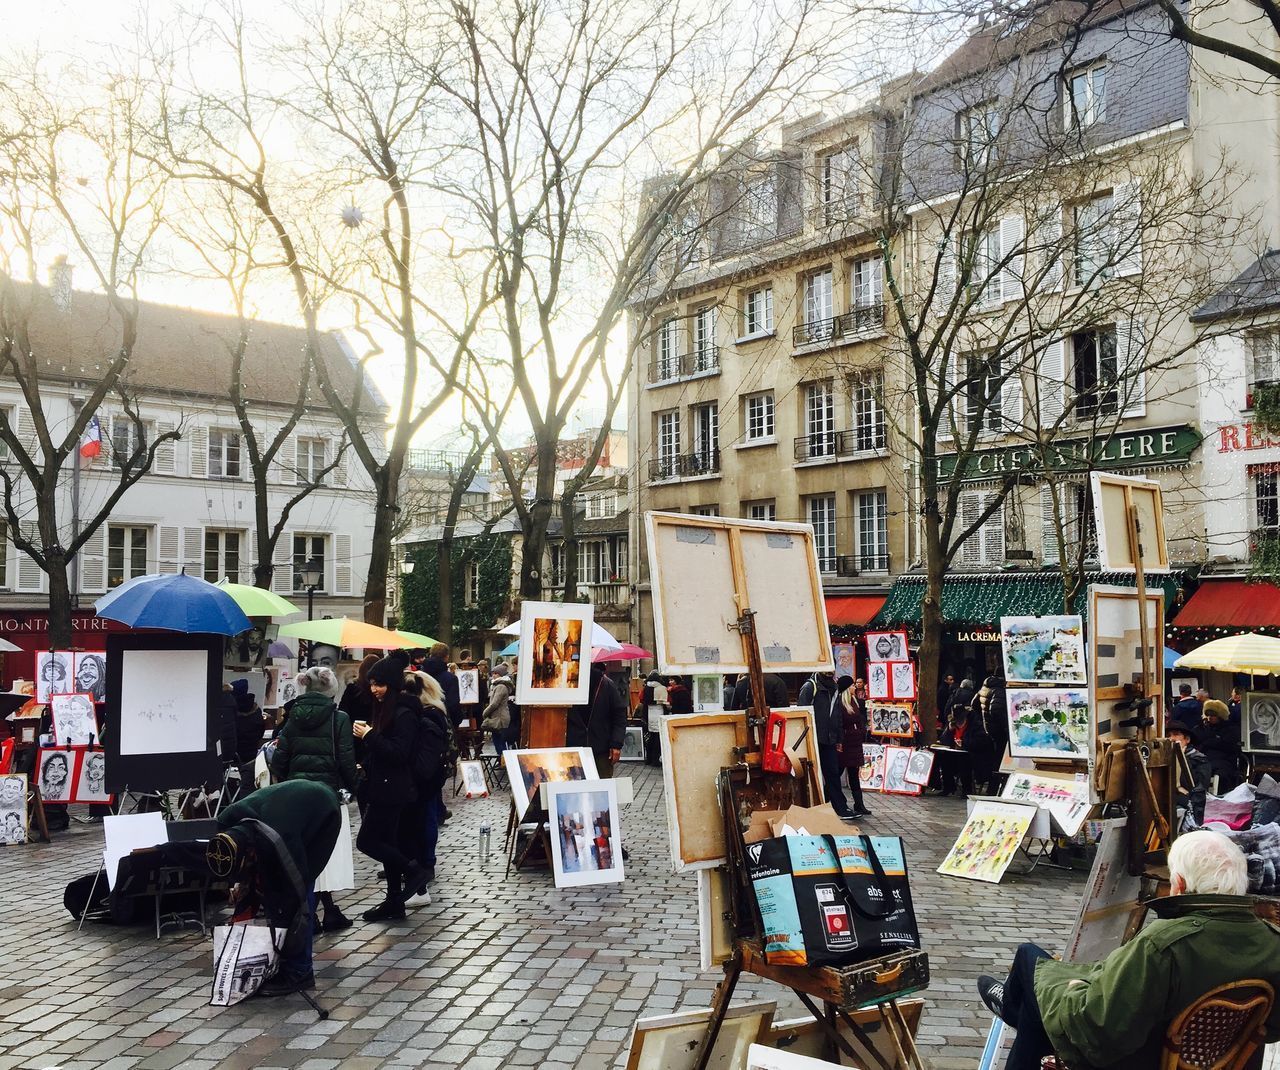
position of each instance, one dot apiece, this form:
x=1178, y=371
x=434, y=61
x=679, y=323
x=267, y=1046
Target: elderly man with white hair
x=1114, y=1013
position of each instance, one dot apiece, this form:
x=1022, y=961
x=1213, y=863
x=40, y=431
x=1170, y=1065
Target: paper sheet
x=127, y=833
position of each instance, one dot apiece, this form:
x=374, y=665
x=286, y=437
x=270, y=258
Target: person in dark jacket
x=276, y=866
x=317, y=745
x=1201, y=771
x=388, y=756
x=961, y=698
x=251, y=723
x=853, y=712
x=600, y=724
x=993, y=712
x=1188, y=707
x=420, y=828
x=819, y=691
x=679, y=697
x=436, y=664
x=775, y=692
x=1219, y=740
x=357, y=701
x=964, y=734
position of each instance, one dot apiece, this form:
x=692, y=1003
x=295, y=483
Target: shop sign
x=1145, y=448
x=1236, y=438
x=38, y=623
x=978, y=637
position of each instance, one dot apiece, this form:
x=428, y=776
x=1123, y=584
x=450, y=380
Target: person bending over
x=1115, y=1013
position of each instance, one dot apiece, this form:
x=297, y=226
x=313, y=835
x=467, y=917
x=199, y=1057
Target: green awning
x=984, y=597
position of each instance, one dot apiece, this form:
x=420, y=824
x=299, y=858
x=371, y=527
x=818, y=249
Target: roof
x=1236, y=604
x=1043, y=23
x=1255, y=289
x=182, y=350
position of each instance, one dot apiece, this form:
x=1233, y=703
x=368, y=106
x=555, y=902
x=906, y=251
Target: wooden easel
x=35, y=811
x=743, y=789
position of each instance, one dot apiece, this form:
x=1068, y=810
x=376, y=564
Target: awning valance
x=1231, y=604
x=852, y=610
x=985, y=597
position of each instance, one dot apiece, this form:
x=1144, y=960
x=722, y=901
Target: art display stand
x=829, y=993
x=543, y=727
x=35, y=811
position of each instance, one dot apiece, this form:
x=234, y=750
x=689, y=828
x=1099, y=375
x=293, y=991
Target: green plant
x=1266, y=407
x=1264, y=556
x=491, y=555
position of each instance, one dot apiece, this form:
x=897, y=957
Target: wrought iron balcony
x=698, y=463
x=857, y=564
x=826, y=444
x=701, y=361
x=852, y=324
x=824, y=330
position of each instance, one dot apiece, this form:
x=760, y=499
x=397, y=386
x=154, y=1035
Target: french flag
x=91, y=443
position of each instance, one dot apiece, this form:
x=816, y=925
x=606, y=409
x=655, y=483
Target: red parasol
x=626, y=652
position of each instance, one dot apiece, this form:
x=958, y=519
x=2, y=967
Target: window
x=1094, y=359
x=11, y=415
x=1266, y=497
x=982, y=393
x=705, y=510
x=757, y=311
x=817, y=305
x=841, y=175
x=224, y=454
x=767, y=510
x=873, y=531
x=311, y=460
x=473, y=583
x=126, y=553
x=822, y=515
x=221, y=555
x=868, y=282
x=760, y=207
x=759, y=417
x=986, y=545
x=985, y=277
x=601, y=561
x=668, y=445
x=600, y=506
x=688, y=239
x=706, y=439
x=1084, y=97
x=1264, y=361
x=1092, y=219
x=668, y=350
x=305, y=549
x=127, y=439
x=977, y=129
x=704, y=339
x=868, y=413
x=820, y=419
x=557, y=564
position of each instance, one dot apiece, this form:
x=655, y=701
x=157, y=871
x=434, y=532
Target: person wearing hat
x=273, y=844
x=389, y=748
x=250, y=722
x=1201, y=772
x=496, y=717
x=1219, y=739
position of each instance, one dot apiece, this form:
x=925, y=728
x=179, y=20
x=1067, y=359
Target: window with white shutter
x=1126, y=228
x=311, y=460
x=343, y=578
x=985, y=547
x=93, y=562
x=222, y=555
x=31, y=577
x=1050, y=383
x=169, y=549
x=128, y=549
x=198, y=451
x=224, y=454
x=282, y=565
x=312, y=548
x=1131, y=365
x=166, y=460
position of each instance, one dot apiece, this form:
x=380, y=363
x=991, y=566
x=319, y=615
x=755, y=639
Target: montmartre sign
x=1148, y=447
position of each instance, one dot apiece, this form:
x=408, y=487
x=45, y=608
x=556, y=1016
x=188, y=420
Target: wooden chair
x=1219, y=1031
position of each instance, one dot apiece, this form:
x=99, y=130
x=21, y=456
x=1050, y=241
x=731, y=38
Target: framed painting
x=475, y=785
x=902, y=681
x=1260, y=722
x=1066, y=799
x=845, y=655
x=1043, y=650
x=889, y=721
x=586, y=836
x=878, y=684
x=13, y=809
x=1049, y=722
x=872, y=772
x=670, y=1042
x=633, y=744
x=896, y=762
x=1115, y=654
x=989, y=840
x=468, y=686
x=74, y=723
x=54, y=771
x=920, y=767
x=90, y=668
x=91, y=777
x=708, y=693
x=555, y=654
x=887, y=646
x=54, y=674
x=527, y=770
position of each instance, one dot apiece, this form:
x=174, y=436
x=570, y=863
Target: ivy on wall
x=1266, y=407
x=420, y=603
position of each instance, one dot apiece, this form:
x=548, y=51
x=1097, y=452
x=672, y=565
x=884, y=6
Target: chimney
x=60, y=283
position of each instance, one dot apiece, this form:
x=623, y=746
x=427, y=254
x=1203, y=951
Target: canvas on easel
x=1115, y=655
x=1113, y=499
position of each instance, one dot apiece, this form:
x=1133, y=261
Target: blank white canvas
x=163, y=701
x=127, y=833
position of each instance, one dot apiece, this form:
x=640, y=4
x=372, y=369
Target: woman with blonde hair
x=420, y=829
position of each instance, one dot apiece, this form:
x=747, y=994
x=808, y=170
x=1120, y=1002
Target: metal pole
x=76, y=405
x=311, y=597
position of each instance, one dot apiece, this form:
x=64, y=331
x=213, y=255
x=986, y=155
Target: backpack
x=432, y=747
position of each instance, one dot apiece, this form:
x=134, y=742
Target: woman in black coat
x=389, y=747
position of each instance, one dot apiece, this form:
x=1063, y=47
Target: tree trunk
x=444, y=593
x=930, y=654
x=570, y=537
x=264, y=551
x=539, y=516
x=59, y=602
x=387, y=490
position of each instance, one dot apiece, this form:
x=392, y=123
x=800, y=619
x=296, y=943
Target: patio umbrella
x=257, y=602
x=1170, y=657
x=413, y=639
x=343, y=631
x=600, y=639
x=510, y=650
x=1258, y=655
x=175, y=603
x=627, y=652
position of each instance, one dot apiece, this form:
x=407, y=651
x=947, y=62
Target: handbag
x=245, y=954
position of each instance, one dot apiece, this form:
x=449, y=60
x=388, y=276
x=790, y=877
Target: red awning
x=853, y=610
x=1231, y=604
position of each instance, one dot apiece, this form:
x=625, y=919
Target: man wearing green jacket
x=1115, y=1013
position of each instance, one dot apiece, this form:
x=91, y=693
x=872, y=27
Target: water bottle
x=484, y=844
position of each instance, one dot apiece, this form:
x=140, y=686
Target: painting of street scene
x=1048, y=722
x=1043, y=650
x=531, y=768
x=585, y=848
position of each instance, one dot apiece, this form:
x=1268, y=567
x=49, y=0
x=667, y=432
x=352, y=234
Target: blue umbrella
x=178, y=603
x=1170, y=658
x=510, y=650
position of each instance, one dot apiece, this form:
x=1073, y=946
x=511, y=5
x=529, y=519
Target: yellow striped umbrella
x=1258, y=655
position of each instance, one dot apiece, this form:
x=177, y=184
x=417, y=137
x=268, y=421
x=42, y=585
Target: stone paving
x=494, y=973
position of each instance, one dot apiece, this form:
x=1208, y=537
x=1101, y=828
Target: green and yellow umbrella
x=256, y=602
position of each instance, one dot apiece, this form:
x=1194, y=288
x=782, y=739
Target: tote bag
x=244, y=955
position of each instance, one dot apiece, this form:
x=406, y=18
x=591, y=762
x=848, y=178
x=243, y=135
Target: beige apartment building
x=774, y=380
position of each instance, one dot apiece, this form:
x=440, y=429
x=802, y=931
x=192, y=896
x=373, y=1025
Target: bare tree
x=1004, y=234
x=73, y=178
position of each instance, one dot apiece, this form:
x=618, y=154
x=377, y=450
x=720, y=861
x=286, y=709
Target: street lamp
x=406, y=567
x=312, y=574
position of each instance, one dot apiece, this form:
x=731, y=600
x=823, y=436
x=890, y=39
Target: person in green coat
x=316, y=744
x=1115, y=1013
x=274, y=843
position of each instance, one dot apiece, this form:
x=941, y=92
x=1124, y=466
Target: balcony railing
x=608, y=594
x=857, y=564
x=699, y=463
x=825, y=444
x=701, y=361
x=852, y=324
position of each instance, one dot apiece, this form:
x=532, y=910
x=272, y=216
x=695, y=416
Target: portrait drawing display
x=54, y=674
x=55, y=769
x=1260, y=727
x=91, y=781
x=13, y=809
x=91, y=674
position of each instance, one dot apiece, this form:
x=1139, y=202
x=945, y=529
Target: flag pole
x=76, y=404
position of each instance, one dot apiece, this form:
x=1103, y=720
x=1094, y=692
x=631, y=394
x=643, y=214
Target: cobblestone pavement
x=493, y=973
